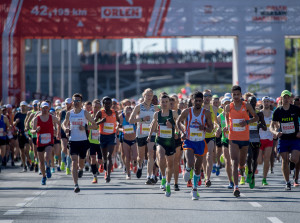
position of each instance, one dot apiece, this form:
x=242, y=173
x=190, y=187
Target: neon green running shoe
x=68, y=171
x=222, y=159
x=163, y=183
x=242, y=181
x=252, y=183
x=249, y=177
x=62, y=166
x=264, y=182
x=168, y=191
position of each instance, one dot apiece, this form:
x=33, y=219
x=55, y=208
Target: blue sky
x=183, y=44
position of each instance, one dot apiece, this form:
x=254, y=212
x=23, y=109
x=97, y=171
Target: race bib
x=95, y=134
x=145, y=129
x=165, y=132
x=196, y=134
x=108, y=127
x=1, y=132
x=226, y=134
x=128, y=129
x=288, y=128
x=45, y=138
x=253, y=126
x=236, y=125
x=10, y=135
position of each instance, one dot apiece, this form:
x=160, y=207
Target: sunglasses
x=76, y=101
x=207, y=95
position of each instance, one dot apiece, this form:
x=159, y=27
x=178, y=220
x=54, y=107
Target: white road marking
x=274, y=220
x=6, y=221
x=255, y=204
x=29, y=198
x=242, y=195
x=14, y=212
x=20, y=204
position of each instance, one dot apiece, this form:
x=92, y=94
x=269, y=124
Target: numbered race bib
x=165, y=132
x=196, y=135
x=45, y=138
x=10, y=135
x=253, y=126
x=1, y=132
x=95, y=134
x=108, y=127
x=145, y=129
x=288, y=128
x=128, y=129
x=226, y=134
x=236, y=125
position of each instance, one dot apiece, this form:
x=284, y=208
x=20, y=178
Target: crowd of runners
x=197, y=137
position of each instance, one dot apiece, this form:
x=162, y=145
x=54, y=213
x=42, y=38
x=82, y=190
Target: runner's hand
x=243, y=123
x=81, y=128
x=279, y=134
x=183, y=136
x=169, y=125
x=103, y=120
x=38, y=129
x=148, y=139
x=201, y=127
x=146, y=118
x=225, y=129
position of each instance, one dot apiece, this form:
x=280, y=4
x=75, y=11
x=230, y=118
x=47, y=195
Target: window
x=28, y=45
x=45, y=46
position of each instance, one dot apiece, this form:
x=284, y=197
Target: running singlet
x=192, y=126
x=20, y=125
x=288, y=120
x=236, y=131
x=127, y=128
x=165, y=135
x=213, y=132
x=223, y=125
x=46, y=134
x=253, y=130
x=267, y=134
x=143, y=128
x=94, y=135
x=109, y=126
x=77, y=120
x=2, y=128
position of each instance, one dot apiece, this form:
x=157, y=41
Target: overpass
x=153, y=76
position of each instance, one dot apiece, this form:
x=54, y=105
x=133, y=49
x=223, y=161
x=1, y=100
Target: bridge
x=153, y=76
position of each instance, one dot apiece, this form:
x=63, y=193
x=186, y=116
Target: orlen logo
x=121, y=12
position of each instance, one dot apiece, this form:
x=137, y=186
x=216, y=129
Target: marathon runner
x=75, y=124
x=4, y=128
x=285, y=126
x=237, y=121
x=198, y=121
x=43, y=127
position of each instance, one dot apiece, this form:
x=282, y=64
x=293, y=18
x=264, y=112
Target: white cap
x=58, y=108
x=115, y=100
x=63, y=104
x=225, y=100
x=68, y=100
x=272, y=99
x=35, y=102
x=265, y=98
x=57, y=102
x=30, y=106
x=23, y=103
x=227, y=95
x=44, y=104
x=8, y=106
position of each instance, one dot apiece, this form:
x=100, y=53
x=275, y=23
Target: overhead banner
x=259, y=28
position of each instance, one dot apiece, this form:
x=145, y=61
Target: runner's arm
x=91, y=120
x=253, y=113
x=5, y=119
x=34, y=126
x=227, y=110
x=209, y=123
x=56, y=122
x=66, y=123
x=182, y=117
x=175, y=117
x=153, y=124
x=135, y=112
x=262, y=123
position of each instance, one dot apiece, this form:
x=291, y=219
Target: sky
x=183, y=44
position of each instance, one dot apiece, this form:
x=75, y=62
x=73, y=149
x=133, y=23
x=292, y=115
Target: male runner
x=198, y=121
x=4, y=128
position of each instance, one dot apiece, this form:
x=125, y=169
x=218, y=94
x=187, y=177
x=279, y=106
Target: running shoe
x=176, y=187
x=296, y=184
x=107, y=179
x=272, y=170
x=207, y=183
x=58, y=169
x=68, y=171
x=148, y=182
x=264, y=182
x=135, y=169
x=242, y=181
x=168, y=191
x=252, y=183
x=292, y=165
x=195, y=195
x=189, y=183
x=128, y=177
x=44, y=180
x=25, y=169
x=153, y=181
x=214, y=169
x=101, y=168
x=236, y=192
x=186, y=176
x=202, y=175
x=115, y=165
x=231, y=185
x=131, y=166
x=62, y=166
x=249, y=177
x=48, y=172
x=95, y=180
x=87, y=168
x=36, y=168
x=12, y=163
x=52, y=170
x=288, y=186
x=163, y=183
x=139, y=173
x=31, y=167
x=199, y=182
x=217, y=171
x=80, y=173
x=76, y=189
x=222, y=159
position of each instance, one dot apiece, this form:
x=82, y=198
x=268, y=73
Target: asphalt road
x=23, y=199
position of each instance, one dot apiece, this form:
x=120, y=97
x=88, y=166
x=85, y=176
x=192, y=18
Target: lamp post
x=138, y=71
